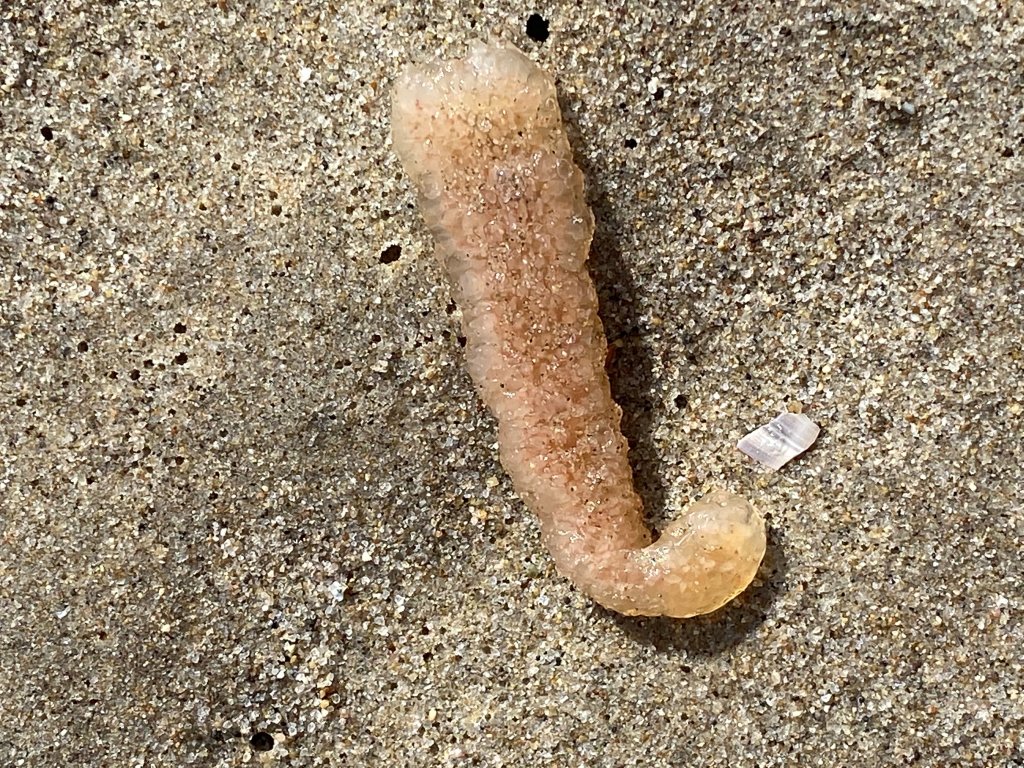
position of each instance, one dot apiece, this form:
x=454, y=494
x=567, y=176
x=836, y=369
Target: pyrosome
x=482, y=140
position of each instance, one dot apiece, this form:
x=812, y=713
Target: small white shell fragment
x=782, y=439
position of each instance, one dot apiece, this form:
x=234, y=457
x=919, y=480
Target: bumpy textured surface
x=482, y=138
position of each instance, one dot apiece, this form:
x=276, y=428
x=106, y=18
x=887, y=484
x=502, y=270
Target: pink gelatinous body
x=482, y=139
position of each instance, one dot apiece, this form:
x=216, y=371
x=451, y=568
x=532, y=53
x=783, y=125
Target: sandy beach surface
x=251, y=510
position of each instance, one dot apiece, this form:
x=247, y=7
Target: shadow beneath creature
x=630, y=363
x=630, y=370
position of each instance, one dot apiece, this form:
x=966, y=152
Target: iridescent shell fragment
x=780, y=440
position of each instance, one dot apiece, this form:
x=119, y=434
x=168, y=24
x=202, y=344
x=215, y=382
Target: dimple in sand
x=482, y=140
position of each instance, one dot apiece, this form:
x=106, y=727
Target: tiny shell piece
x=782, y=439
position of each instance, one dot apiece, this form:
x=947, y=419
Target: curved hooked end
x=701, y=562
